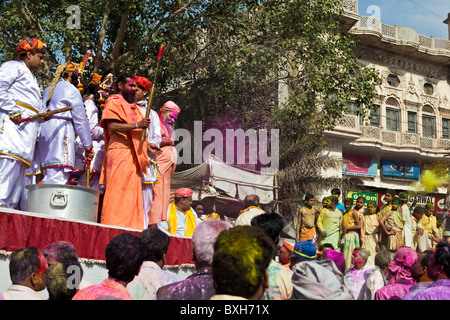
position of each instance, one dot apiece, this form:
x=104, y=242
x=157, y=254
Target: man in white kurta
x=19, y=98
x=98, y=140
x=154, y=140
x=57, y=136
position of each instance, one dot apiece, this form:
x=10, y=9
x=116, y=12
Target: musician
x=19, y=98
x=57, y=136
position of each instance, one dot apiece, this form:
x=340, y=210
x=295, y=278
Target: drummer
x=19, y=98
x=57, y=136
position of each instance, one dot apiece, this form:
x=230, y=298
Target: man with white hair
x=356, y=278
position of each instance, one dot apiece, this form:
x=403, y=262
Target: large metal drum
x=66, y=201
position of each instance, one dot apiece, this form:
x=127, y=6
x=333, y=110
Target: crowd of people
x=342, y=251
x=104, y=136
x=246, y=261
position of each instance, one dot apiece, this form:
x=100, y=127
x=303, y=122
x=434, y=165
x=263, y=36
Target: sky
x=426, y=16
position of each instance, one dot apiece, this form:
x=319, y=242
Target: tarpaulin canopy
x=225, y=179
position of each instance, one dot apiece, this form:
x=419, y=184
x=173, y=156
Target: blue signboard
x=400, y=169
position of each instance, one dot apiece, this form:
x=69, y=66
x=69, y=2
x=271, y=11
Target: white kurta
x=407, y=232
x=19, y=94
x=57, y=136
x=153, y=136
x=99, y=147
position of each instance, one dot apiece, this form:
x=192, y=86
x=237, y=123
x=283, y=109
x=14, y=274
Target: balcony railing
x=350, y=125
x=401, y=35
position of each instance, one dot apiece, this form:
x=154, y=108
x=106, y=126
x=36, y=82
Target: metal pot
x=66, y=201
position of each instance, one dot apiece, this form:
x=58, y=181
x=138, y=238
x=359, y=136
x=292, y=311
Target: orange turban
x=29, y=45
x=143, y=82
x=96, y=78
x=70, y=67
x=183, y=193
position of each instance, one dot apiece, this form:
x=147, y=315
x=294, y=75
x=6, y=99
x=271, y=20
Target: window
x=428, y=88
x=375, y=116
x=412, y=122
x=353, y=108
x=392, y=119
x=428, y=126
x=393, y=80
x=446, y=128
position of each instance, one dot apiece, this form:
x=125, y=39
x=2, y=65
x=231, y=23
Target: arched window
x=428, y=88
x=392, y=115
x=428, y=122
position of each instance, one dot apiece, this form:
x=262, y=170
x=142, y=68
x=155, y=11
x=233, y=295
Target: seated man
x=181, y=218
x=251, y=210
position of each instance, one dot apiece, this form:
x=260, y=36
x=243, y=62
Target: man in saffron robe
x=125, y=157
x=167, y=161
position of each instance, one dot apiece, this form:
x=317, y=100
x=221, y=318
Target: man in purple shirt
x=439, y=271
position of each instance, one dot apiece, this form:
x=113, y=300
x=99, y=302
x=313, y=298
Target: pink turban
x=170, y=106
x=337, y=257
x=400, y=268
x=183, y=193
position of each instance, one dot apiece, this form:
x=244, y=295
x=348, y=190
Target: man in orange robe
x=125, y=157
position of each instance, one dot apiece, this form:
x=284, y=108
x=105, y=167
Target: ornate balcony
x=403, y=39
x=351, y=132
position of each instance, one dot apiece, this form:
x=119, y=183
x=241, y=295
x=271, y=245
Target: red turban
x=31, y=45
x=143, y=82
x=183, y=193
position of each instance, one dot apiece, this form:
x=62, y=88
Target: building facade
x=409, y=132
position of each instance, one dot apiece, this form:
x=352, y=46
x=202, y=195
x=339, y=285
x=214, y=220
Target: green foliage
x=224, y=62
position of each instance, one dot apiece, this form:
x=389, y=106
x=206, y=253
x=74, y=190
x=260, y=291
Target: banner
x=359, y=165
x=421, y=200
x=369, y=196
x=400, y=169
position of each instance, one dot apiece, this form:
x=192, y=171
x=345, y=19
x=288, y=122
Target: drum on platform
x=65, y=201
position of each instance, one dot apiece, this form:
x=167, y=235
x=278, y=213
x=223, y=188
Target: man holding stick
x=126, y=157
x=57, y=136
x=19, y=98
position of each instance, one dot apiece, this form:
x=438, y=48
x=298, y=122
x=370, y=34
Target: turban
x=170, y=106
x=183, y=193
x=70, y=67
x=29, y=45
x=400, y=268
x=143, y=82
x=96, y=78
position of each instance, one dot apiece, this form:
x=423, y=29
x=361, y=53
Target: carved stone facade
x=412, y=124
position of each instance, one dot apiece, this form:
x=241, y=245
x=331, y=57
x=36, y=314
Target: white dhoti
x=12, y=174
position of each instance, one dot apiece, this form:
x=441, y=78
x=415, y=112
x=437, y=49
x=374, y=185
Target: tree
x=226, y=63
